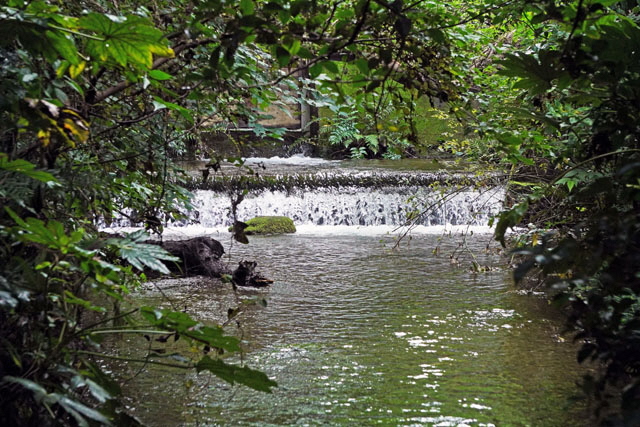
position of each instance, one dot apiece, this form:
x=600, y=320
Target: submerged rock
x=270, y=225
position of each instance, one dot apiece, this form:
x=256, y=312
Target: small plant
x=342, y=130
x=386, y=142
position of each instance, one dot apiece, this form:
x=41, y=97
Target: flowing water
x=357, y=331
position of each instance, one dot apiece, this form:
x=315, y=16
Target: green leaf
x=283, y=56
x=159, y=104
x=64, y=46
x=247, y=7
x=509, y=218
x=363, y=65
x=72, y=406
x=38, y=391
x=235, y=374
x=188, y=328
x=25, y=168
x=132, y=40
x=96, y=390
x=72, y=299
x=315, y=70
x=330, y=66
x=305, y=53
x=139, y=254
x=159, y=75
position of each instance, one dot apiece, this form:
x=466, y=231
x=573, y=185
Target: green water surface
x=358, y=334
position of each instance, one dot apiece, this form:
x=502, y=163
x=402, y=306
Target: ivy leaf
x=236, y=374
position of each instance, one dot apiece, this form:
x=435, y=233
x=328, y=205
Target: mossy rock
x=270, y=225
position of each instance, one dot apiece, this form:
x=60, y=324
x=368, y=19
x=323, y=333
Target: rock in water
x=270, y=225
x=199, y=256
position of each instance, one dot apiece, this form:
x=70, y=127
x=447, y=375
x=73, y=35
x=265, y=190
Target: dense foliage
x=96, y=98
x=577, y=127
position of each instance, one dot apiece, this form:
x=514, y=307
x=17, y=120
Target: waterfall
x=359, y=206
x=315, y=192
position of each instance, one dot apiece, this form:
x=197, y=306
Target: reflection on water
x=357, y=334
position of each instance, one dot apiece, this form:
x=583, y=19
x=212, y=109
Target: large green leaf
x=237, y=374
x=25, y=168
x=189, y=328
x=139, y=254
x=64, y=46
x=127, y=41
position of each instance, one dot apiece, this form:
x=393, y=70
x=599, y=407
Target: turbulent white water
x=323, y=196
x=354, y=206
x=296, y=159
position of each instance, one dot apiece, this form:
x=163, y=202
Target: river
x=360, y=331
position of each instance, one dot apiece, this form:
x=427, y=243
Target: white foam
x=222, y=233
x=380, y=230
x=296, y=159
x=354, y=206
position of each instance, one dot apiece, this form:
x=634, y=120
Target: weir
x=357, y=206
x=348, y=196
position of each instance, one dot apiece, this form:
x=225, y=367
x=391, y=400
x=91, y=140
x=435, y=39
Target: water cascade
x=351, y=197
x=356, y=206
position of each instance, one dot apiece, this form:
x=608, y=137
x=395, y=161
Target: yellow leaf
x=76, y=70
x=379, y=126
x=76, y=128
x=44, y=136
x=64, y=66
x=393, y=128
x=164, y=51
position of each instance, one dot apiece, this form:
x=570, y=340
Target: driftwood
x=245, y=275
